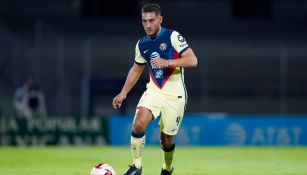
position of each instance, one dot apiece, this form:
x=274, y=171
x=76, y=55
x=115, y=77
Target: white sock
x=137, y=145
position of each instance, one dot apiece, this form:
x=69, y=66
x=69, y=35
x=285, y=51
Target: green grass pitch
x=188, y=160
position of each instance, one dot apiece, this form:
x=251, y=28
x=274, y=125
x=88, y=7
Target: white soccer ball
x=102, y=169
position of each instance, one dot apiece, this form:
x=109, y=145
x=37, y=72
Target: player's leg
x=168, y=146
x=171, y=118
x=142, y=118
x=147, y=109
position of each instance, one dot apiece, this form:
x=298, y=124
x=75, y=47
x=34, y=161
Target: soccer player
x=166, y=53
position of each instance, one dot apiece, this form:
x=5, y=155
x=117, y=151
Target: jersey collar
x=159, y=34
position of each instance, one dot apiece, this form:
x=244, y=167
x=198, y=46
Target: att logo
x=154, y=55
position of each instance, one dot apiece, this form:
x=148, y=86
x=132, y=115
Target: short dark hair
x=152, y=8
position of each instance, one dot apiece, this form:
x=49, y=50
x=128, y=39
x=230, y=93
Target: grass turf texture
x=188, y=160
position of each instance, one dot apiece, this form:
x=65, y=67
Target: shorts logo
x=163, y=46
x=173, y=130
x=181, y=38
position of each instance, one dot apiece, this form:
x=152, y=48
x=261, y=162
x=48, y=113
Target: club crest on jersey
x=181, y=38
x=163, y=46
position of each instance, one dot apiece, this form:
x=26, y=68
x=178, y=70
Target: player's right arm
x=133, y=76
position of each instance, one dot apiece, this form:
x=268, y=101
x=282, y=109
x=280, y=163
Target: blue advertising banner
x=240, y=130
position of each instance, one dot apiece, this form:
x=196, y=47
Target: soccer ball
x=102, y=169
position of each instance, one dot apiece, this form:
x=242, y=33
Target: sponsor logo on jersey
x=181, y=38
x=163, y=46
x=159, y=74
x=153, y=56
x=146, y=51
x=183, y=45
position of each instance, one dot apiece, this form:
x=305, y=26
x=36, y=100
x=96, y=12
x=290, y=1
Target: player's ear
x=161, y=19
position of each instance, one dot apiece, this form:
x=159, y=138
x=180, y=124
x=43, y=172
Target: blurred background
x=252, y=54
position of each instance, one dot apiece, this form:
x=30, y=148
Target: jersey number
x=178, y=120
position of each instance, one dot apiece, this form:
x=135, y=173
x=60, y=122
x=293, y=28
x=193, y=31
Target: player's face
x=151, y=23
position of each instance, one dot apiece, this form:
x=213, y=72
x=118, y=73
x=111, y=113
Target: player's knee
x=166, y=141
x=142, y=118
x=138, y=126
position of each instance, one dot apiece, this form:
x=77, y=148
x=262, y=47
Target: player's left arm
x=187, y=59
x=187, y=56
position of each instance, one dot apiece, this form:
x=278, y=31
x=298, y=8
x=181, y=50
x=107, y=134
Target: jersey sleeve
x=179, y=42
x=138, y=57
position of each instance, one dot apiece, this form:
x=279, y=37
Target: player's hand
x=159, y=62
x=117, y=101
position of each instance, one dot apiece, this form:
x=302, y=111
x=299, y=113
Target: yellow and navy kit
x=168, y=44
